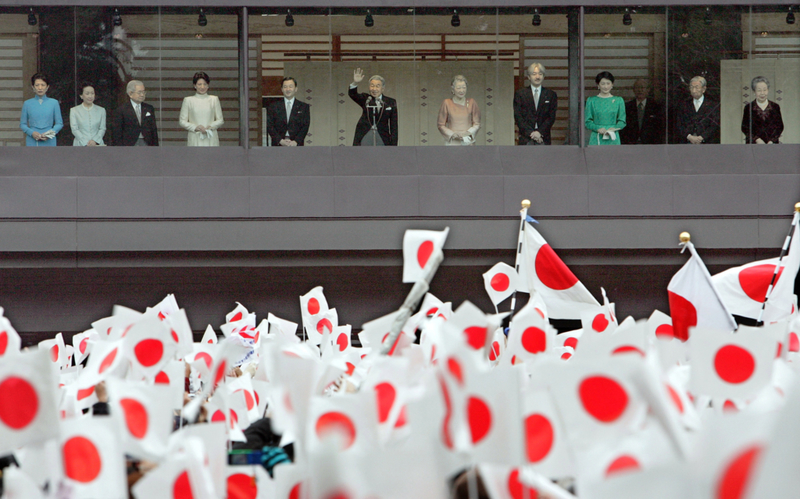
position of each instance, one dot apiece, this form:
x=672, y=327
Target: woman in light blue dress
x=605, y=113
x=41, y=116
x=87, y=120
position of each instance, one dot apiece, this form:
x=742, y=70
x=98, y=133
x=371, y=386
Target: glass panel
x=704, y=43
x=624, y=65
x=291, y=43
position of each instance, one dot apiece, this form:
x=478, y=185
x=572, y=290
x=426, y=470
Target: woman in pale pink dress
x=459, y=117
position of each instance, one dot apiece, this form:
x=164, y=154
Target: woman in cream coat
x=201, y=114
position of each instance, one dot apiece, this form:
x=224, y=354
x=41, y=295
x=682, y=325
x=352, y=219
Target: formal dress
x=465, y=120
x=294, y=127
x=87, y=124
x=128, y=130
x=40, y=115
x=767, y=123
x=604, y=112
x=646, y=123
x=201, y=110
x=701, y=122
x=530, y=117
x=379, y=113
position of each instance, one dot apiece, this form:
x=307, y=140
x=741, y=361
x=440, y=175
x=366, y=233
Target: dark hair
x=198, y=75
x=39, y=76
x=604, y=75
x=289, y=78
x=82, y=86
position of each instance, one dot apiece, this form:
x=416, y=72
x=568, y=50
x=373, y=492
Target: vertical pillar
x=244, y=77
x=575, y=50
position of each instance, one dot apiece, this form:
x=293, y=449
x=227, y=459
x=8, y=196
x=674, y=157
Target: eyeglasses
x=140, y=92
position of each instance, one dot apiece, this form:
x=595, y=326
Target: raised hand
x=358, y=75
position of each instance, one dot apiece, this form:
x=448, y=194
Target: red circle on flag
x=600, y=323
x=86, y=392
x=499, y=282
x=571, y=342
x=218, y=416
x=476, y=336
x=729, y=406
x=734, y=364
x=236, y=317
x=683, y=314
x=603, y=398
x=517, y=490
x=627, y=349
x=794, y=342
x=206, y=358
x=82, y=461
x=313, y=308
x=534, y=340
x=3, y=342
x=566, y=356
x=220, y=372
x=341, y=340
x=324, y=323
x=384, y=394
x=676, y=399
x=665, y=332
x=737, y=474
x=455, y=369
x=479, y=417
x=336, y=422
x=83, y=344
x=494, y=352
x=248, y=399
x=135, y=417
x=424, y=252
x=19, y=402
x=242, y=486
x=54, y=353
x=552, y=271
x=350, y=368
x=107, y=361
x=162, y=378
x=755, y=280
x=149, y=351
x=539, y=437
x=622, y=463
x=174, y=336
x=182, y=488
x=295, y=492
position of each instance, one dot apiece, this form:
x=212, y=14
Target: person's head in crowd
x=136, y=91
x=459, y=87
x=376, y=85
x=289, y=87
x=605, y=82
x=201, y=81
x=535, y=73
x=40, y=84
x=697, y=87
x=760, y=86
x=86, y=94
x=641, y=89
x=462, y=485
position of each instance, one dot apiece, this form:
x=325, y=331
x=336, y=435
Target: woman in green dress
x=605, y=113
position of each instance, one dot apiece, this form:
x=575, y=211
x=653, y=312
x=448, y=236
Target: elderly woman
x=459, y=117
x=605, y=113
x=762, y=122
x=88, y=120
x=41, y=116
x=201, y=114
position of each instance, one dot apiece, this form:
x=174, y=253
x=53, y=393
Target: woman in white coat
x=88, y=120
x=201, y=114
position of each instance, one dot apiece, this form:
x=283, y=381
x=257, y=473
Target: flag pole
x=784, y=250
x=523, y=216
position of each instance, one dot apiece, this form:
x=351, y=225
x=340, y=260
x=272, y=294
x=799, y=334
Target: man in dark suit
x=135, y=121
x=535, y=109
x=698, y=118
x=288, y=119
x=646, y=119
x=378, y=123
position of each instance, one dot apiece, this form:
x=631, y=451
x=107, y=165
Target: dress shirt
x=698, y=103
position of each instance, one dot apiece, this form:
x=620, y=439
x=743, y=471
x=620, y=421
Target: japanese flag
x=566, y=297
x=173, y=375
x=350, y=421
x=209, y=336
x=503, y=482
x=500, y=282
x=282, y=326
x=19, y=485
x=149, y=346
x=418, y=247
x=144, y=415
x=312, y=304
x=530, y=334
x=28, y=400
x=248, y=482
x=9, y=339
x=546, y=447
x=81, y=344
x=182, y=476
x=237, y=314
x=56, y=349
x=341, y=337
x=94, y=462
x=693, y=299
x=324, y=322
x=473, y=325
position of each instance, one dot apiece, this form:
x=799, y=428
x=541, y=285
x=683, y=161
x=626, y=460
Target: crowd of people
x=609, y=119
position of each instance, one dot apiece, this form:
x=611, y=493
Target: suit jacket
x=387, y=118
x=528, y=117
x=703, y=122
x=299, y=121
x=653, y=125
x=126, y=128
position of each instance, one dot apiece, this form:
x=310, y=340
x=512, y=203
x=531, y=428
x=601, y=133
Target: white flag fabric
x=56, y=349
x=9, y=338
x=693, y=299
x=94, y=463
x=500, y=282
x=566, y=297
x=144, y=414
x=418, y=247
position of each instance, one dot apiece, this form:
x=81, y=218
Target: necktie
x=536, y=96
x=138, y=113
x=288, y=110
x=641, y=114
x=696, y=105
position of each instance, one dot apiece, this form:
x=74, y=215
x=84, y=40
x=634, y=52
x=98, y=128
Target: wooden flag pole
x=523, y=216
x=784, y=250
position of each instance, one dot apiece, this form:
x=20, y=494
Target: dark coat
x=704, y=122
x=527, y=116
x=299, y=121
x=653, y=126
x=126, y=128
x=767, y=125
x=387, y=118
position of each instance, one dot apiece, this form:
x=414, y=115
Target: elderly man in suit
x=535, y=108
x=288, y=119
x=135, y=120
x=646, y=120
x=378, y=123
x=698, y=118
